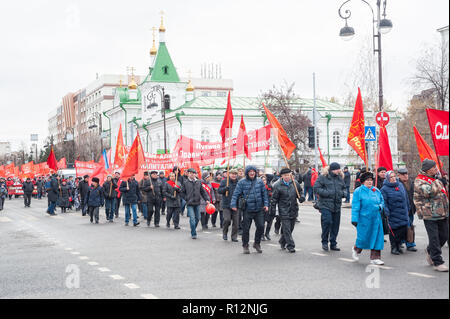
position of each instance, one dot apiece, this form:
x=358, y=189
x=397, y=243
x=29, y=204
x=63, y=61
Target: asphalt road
x=68, y=257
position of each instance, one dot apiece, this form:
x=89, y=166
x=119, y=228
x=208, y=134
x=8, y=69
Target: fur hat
x=381, y=168
x=334, y=166
x=285, y=170
x=365, y=176
x=96, y=180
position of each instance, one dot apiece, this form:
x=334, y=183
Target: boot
x=257, y=247
x=395, y=251
x=246, y=250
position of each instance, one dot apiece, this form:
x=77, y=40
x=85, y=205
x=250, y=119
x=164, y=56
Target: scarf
x=430, y=180
x=207, y=189
x=172, y=183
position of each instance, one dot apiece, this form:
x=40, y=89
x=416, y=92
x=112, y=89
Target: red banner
x=439, y=127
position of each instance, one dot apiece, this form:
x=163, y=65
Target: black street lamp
x=165, y=105
x=92, y=120
x=383, y=26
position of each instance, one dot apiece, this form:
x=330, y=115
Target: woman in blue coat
x=396, y=209
x=367, y=205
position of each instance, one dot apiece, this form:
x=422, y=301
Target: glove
x=301, y=199
x=355, y=224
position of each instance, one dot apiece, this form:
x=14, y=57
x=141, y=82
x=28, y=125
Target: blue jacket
x=257, y=199
x=94, y=197
x=396, y=204
x=367, y=204
x=131, y=196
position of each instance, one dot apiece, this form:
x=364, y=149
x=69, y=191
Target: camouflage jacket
x=430, y=200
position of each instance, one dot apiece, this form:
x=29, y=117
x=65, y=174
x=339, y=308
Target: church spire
x=162, y=29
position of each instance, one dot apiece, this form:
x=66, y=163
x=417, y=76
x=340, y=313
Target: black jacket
x=158, y=189
x=331, y=190
x=226, y=200
x=191, y=191
x=410, y=192
x=347, y=178
x=94, y=197
x=83, y=189
x=131, y=195
x=286, y=198
x=52, y=192
x=169, y=191
x=109, y=189
x=307, y=178
x=64, y=194
x=28, y=187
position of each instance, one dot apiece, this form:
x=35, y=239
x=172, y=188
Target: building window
x=336, y=139
x=222, y=94
x=205, y=135
x=205, y=93
x=165, y=69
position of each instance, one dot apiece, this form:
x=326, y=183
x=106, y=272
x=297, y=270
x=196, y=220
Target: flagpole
x=229, y=154
x=316, y=163
x=287, y=164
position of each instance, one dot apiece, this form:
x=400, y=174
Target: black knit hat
x=428, y=164
x=95, y=179
x=381, y=168
x=86, y=176
x=334, y=166
x=285, y=170
x=365, y=176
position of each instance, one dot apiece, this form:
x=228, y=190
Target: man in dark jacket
x=347, y=180
x=110, y=194
x=52, y=194
x=191, y=191
x=172, y=194
x=180, y=179
x=228, y=214
x=330, y=188
x=94, y=199
x=130, y=196
x=308, y=187
x=254, y=193
x=409, y=187
x=83, y=189
x=163, y=180
x=144, y=187
x=28, y=188
x=285, y=195
x=381, y=176
x=116, y=180
x=154, y=198
x=40, y=187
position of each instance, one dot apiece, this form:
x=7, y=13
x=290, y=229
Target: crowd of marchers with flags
x=385, y=202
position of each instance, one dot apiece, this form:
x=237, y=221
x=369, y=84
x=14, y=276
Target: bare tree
x=432, y=71
x=282, y=103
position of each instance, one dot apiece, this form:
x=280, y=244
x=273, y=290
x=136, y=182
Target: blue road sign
x=370, y=133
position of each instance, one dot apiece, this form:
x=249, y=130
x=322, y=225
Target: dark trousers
x=109, y=208
x=437, y=231
x=397, y=236
x=287, y=227
x=2, y=202
x=27, y=199
x=277, y=223
x=347, y=198
x=229, y=216
x=116, y=206
x=83, y=207
x=94, y=212
x=204, y=219
x=173, y=213
x=241, y=218
x=310, y=192
x=330, y=226
x=268, y=219
x=163, y=207
x=214, y=217
x=247, y=219
x=153, y=207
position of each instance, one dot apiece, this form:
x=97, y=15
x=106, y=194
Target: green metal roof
x=164, y=69
x=124, y=96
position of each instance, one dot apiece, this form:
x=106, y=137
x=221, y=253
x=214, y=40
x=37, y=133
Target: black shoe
x=168, y=225
x=297, y=221
x=335, y=248
x=263, y=238
x=214, y=226
x=283, y=247
x=225, y=237
x=394, y=251
x=156, y=225
x=177, y=227
x=92, y=221
x=277, y=231
x=246, y=250
x=268, y=237
x=400, y=250
x=291, y=250
x=96, y=221
x=163, y=213
x=325, y=247
x=257, y=247
x=234, y=240
x=411, y=249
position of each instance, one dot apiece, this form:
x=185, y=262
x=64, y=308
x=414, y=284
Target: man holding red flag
x=431, y=201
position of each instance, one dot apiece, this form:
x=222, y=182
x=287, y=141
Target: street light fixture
x=165, y=105
x=383, y=26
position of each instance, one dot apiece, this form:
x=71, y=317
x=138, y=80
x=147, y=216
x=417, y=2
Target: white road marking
x=56, y=217
x=116, y=277
x=131, y=286
x=207, y=232
x=5, y=219
x=382, y=267
x=75, y=253
x=92, y=263
x=31, y=218
x=420, y=275
x=347, y=259
x=83, y=257
x=319, y=254
x=273, y=245
x=68, y=248
x=149, y=296
x=103, y=269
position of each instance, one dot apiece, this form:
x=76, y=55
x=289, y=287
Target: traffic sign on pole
x=370, y=133
x=382, y=118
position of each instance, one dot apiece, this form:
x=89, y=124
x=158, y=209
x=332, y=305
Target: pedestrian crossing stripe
x=4, y=219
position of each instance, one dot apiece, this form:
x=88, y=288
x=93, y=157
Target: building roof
x=124, y=96
x=164, y=69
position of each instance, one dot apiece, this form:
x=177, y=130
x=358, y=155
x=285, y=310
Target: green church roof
x=164, y=69
x=124, y=96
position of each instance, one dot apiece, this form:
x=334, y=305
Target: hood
x=388, y=184
x=248, y=168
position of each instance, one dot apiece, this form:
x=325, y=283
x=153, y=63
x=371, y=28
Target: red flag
x=134, y=160
x=119, y=157
x=425, y=151
x=384, y=152
x=356, y=138
x=62, y=163
x=242, y=139
x=51, y=160
x=227, y=120
x=324, y=163
x=314, y=176
x=439, y=127
x=285, y=143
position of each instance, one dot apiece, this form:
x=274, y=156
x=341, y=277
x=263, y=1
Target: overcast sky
x=50, y=48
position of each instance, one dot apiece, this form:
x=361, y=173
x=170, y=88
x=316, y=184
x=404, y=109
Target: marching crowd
x=382, y=204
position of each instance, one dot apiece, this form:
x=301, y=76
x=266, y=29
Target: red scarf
x=430, y=180
x=207, y=189
x=172, y=183
x=215, y=185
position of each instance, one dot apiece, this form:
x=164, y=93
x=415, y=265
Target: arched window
x=336, y=139
x=205, y=135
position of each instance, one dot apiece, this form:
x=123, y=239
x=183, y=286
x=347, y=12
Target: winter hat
x=365, y=176
x=153, y=172
x=145, y=173
x=428, y=164
x=191, y=170
x=403, y=171
x=233, y=171
x=388, y=174
x=205, y=175
x=285, y=170
x=381, y=168
x=334, y=166
x=86, y=176
x=96, y=180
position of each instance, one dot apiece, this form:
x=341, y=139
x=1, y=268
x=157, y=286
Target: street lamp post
x=94, y=125
x=165, y=104
x=383, y=26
